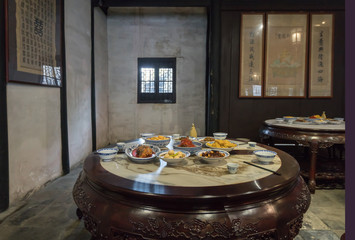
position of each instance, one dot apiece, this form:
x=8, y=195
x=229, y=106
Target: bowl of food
x=220, y=135
x=265, y=156
x=289, y=119
x=173, y=157
x=187, y=145
x=204, y=140
x=142, y=153
x=107, y=154
x=212, y=156
x=225, y=145
x=158, y=140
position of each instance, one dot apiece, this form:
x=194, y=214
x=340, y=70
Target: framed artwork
x=33, y=42
x=251, y=55
x=321, y=56
x=286, y=50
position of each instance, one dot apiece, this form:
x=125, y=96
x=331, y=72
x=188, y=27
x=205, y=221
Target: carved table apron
x=115, y=207
x=313, y=136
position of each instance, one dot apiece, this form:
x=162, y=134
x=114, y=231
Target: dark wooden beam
x=93, y=98
x=4, y=152
x=151, y=3
x=63, y=101
x=213, y=61
x=283, y=5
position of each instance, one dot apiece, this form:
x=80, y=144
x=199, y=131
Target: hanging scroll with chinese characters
x=286, y=48
x=320, y=73
x=34, y=51
x=251, y=55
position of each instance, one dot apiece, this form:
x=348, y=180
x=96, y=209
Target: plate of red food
x=188, y=145
x=142, y=153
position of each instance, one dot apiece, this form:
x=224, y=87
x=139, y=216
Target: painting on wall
x=321, y=57
x=33, y=42
x=286, y=48
x=251, y=55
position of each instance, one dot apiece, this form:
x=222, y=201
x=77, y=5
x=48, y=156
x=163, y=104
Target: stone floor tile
x=332, y=217
x=339, y=232
x=318, y=235
x=312, y=222
x=23, y=214
x=298, y=237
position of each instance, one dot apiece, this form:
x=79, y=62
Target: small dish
x=252, y=144
x=289, y=119
x=212, y=159
x=265, y=156
x=107, y=154
x=129, y=153
x=121, y=146
x=279, y=120
x=232, y=167
x=220, y=135
x=144, y=135
x=161, y=155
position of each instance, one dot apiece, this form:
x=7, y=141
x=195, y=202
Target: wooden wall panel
x=243, y=117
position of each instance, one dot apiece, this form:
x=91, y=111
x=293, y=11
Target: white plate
x=129, y=150
x=172, y=160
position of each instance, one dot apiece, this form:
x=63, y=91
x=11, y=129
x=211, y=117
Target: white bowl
x=192, y=150
x=232, y=167
x=158, y=143
x=144, y=135
x=212, y=159
x=265, y=156
x=209, y=144
x=107, y=154
x=172, y=160
x=130, y=149
x=220, y=135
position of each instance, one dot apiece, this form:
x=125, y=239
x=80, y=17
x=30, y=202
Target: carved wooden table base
x=314, y=139
x=269, y=208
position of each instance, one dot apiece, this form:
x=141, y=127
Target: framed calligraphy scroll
x=33, y=41
x=321, y=56
x=251, y=55
x=286, y=48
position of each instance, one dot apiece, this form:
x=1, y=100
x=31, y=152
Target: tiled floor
x=49, y=214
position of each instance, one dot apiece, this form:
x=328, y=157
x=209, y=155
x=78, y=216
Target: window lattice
x=147, y=80
x=165, y=80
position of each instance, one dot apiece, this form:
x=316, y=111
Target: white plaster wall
x=101, y=78
x=78, y=62
x=156, y=32
x=34, y=137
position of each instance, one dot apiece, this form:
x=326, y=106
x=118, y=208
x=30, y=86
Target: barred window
x=156, y=80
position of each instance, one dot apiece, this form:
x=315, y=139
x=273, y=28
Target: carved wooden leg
x=79, y=213
x=312, y=169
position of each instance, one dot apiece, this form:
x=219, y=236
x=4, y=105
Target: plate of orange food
x=157, y=140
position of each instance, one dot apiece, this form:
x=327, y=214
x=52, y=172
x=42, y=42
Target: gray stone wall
x=101, y=78
x=78, y=62
x=156, y=32
x=34, y=134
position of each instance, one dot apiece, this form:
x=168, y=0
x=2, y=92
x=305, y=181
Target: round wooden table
x=310, y=135
x=192, y=200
